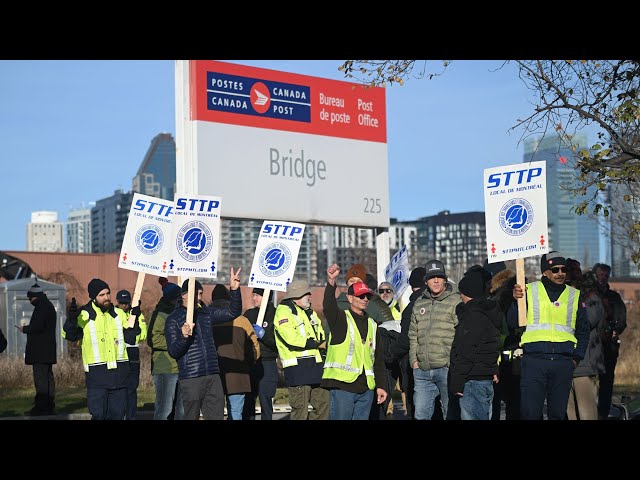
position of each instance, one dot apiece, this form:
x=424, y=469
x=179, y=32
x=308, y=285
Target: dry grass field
x=69, y=374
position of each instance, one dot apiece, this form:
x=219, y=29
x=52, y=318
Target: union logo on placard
x=397, y=280
x=149, y=239
x=274, y=260
x=194, y=241
x=516, y=216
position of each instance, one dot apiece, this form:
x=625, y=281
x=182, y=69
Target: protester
x=238, y=350
x=299, y=337
x=40, y=351
x=124, y=310
x=616, y=323
x=377, y=309
x=431, y=333
x=353, y=361
x=474, y=352
x=164, y=368
x=106, y=364
x=194, y=349
x=554, y=341
x=264, y=376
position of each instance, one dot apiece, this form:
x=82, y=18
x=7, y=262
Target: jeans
x=349, y=406
x=264, y=383
x=167, y=391
x=543, y=378
x=427, y=385
x=476, y=404
x=235, y=404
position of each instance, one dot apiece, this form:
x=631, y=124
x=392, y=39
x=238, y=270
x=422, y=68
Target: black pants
x=133, y=380
x=543, y=378
x=45, y=388
x=507, y=390
x=611, y=351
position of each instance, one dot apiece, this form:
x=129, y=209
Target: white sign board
x=274, y=261
x=146, y=247
x=515, y=199
x=296, y=140
x=397, y=272
x=195, y=236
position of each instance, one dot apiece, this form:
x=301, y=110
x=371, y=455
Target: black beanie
x=220, y=292
x=95, y=287
x=185, y=286
x=35, y=291
x=550, y=260
x=472, y=285
x=416, y=279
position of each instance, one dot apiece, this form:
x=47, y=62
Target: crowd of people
x=454, y=351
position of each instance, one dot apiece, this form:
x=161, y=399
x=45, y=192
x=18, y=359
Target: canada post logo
x=275, y=259
x=149, y=239
x=516, y=216
x=263, y=98
x=194, y=241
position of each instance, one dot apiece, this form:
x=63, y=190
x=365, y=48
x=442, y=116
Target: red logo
x=260, y=97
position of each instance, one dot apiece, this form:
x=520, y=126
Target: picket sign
x=522, y=302
x=190, y=300
x=136, y=296
x=263, y=306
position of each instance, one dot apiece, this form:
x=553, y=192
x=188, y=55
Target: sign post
x=515, y=199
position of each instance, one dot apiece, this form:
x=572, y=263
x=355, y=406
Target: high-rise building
x=109, y=222
x=157, y=173
x=623, y=215
x=574, y=236
x=78, y=227
x=456, y=239
x=45, y=233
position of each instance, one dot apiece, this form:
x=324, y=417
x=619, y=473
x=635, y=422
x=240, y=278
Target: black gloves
x=72, y=313
x=136, y=310
x=311, y=344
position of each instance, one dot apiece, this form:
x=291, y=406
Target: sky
x=73, y=132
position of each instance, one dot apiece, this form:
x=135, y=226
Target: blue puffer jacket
x=197, y=355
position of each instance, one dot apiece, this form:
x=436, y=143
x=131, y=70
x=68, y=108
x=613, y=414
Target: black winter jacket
x=268, y=348
x=41, y=333
x=474, y=352
x=197, y=355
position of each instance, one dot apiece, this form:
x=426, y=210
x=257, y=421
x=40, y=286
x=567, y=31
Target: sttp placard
x=146, y=246
x=397, y=272
x=515, y=199
x=276, y=255
x=196, y=234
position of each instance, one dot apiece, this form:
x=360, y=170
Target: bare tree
x=570, y=95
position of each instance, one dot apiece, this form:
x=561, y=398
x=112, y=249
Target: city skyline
x=86, y=133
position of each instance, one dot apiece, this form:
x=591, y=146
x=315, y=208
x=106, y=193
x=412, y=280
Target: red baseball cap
x=359, y=288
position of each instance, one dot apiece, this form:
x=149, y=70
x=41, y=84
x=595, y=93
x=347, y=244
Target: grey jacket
x=432, y=328
x=593, y=362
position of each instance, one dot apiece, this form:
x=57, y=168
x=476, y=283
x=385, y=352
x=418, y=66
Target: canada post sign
x=515, y=198
x=295, y=139
x=252, y=96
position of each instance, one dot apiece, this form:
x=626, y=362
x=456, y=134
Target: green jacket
x=432, y=327
x=161, y=361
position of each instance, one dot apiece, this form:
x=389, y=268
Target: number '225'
x=372, y=205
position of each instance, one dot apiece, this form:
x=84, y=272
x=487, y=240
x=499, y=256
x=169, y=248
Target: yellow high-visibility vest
x=549, y=321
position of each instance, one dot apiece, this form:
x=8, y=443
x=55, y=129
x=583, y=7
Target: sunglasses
x=559, y=269
x=363, y=296
x=385, y=290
